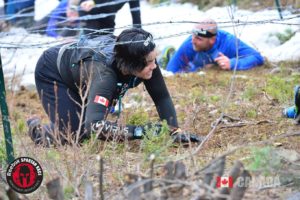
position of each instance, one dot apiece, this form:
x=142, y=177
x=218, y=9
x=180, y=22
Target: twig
x=268, y=97
x=54, y=189
x=231, y=118
x=149, y=187
x=101, y=178
x=238, y=192
x=245, y=123
x=235, y=125
x=11, y=194
x=234, y=173
x=210, y=134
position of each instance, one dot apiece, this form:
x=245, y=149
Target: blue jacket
x=56, y=16
x=15, y=6
x=186, y=59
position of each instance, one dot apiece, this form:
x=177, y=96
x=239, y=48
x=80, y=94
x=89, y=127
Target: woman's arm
x=101, y=92
x=160, y=95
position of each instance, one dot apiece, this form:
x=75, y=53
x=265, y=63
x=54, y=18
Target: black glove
x=177, y=134
x=184, y=137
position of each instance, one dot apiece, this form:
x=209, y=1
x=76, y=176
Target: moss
x=251, y=113
x=278, y=88
x=264, y=160
x=138, y=118
x=250, y=92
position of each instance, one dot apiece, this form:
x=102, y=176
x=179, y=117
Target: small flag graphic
x=223, y=181
x=101, y=100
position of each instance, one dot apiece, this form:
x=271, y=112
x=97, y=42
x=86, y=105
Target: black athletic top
x=90, y=64
x=105, y=13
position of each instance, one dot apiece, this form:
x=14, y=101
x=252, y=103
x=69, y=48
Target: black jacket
x=103, y=15
x=90, y=64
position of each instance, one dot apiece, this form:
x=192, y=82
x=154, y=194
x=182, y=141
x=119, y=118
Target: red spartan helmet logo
x=24, y=175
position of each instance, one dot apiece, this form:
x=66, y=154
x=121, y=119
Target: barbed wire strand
x=223, y=24
x=89, y=17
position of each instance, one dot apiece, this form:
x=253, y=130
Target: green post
x=5, y=118
x=278, y=8
x=234, y=2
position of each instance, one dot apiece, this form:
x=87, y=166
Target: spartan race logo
x=24, y=175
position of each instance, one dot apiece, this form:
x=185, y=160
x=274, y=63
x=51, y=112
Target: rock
x=289, y=155
x=294, y=196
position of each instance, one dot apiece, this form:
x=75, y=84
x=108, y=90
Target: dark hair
x=132, y=47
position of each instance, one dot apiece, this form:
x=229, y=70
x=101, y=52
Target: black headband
x=203, y=33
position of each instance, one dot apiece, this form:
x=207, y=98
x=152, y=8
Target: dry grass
x=199, y=101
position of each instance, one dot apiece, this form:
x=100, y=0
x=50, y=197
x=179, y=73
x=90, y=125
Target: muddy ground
x=251, y=101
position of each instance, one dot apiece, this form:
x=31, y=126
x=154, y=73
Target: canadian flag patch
x=101, y=100
x=223, y=181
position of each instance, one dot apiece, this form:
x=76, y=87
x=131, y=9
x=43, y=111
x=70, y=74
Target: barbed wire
x=221, y=24
x=21, y=14
x=97, y=16
x=165, y=3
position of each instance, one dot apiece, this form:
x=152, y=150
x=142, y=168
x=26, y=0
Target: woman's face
x=146, y=73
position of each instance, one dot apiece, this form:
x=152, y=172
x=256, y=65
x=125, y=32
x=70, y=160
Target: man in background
x=209, y=46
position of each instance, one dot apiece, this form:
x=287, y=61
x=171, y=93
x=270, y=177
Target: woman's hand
x=185, y=137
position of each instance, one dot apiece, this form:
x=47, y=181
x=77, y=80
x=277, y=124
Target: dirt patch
x=252, y=114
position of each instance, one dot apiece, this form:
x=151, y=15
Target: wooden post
x=278, y=8
x=5, y=118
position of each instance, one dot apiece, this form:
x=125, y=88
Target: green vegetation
x=53, y=154
x=215, y=98
x=138, y=118
x=114, y=148
x=21, y=126
x=251, y=113
x=68, y=192
x=285, y=36
x=196, y=93
x=198, y=101
x=264, y=160
x=278, y=88
x=158, y=1
x=3, y=157
x=250, y=92
x=137, y=98
x=156, y=141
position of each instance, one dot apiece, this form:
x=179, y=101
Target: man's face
x=200, y=43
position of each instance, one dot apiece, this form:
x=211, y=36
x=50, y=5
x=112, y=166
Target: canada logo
x=224, y=182
x=101, y=100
